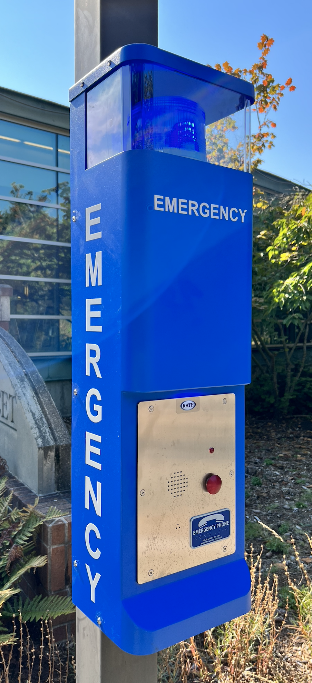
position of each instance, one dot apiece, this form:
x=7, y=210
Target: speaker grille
x=177, y=484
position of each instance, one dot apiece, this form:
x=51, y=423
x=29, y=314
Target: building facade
x=35, y=233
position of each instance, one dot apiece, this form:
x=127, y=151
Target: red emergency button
x=213, y=483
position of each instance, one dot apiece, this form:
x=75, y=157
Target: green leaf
x=33, y=563
x=40, y=607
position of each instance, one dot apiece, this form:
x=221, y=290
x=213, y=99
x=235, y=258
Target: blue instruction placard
x=210, y=527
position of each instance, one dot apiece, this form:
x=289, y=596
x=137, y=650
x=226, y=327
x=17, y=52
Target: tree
x=282, y=265
x=268, y=95
x=282, y=293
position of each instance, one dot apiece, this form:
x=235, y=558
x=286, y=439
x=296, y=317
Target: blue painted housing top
x=149, y=53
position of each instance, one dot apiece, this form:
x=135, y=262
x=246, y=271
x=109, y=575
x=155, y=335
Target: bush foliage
x=18, y=556
x=282, y=305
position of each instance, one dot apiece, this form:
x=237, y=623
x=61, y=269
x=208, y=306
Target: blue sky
x=37, y=56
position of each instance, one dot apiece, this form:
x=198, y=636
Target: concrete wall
x=56, y=372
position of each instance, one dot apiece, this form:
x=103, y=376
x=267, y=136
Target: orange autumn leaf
x=268, y=94
x=227, y=67
x=303, y=210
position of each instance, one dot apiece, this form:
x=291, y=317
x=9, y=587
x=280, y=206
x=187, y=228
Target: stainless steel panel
x=177, y=449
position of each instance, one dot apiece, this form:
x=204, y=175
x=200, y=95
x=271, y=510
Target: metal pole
x=98, y=660
x=102, y=26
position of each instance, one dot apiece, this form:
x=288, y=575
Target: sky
x=37, y=56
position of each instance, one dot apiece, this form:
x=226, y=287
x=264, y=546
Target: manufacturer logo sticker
x=188, y=405
x=209, y=528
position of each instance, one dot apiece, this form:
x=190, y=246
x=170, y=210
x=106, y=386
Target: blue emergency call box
x=161, y=283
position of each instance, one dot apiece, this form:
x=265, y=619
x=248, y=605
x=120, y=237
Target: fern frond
x=3, y=482
x=7, y=593
x=15, y=514
x=7, y=639
x=40, y=607
x=4, y=505
x=12, y=607
x=52, y=513
x=33, y=563
x=30, y=521
x=26, y=529
x=18, y=555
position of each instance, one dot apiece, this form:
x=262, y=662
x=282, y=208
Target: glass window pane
x=42, y=335
x=27, y=182
x=39, y=298
x=64, y=201
x=28, y=220
x=63, y=153
x=64, y=224
x=27, y=144
x=34, y=260
x=64, y=190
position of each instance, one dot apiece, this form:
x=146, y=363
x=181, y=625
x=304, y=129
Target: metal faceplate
x=179, y=524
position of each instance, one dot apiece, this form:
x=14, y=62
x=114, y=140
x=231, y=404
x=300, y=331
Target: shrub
x=18, y=556
x=256, y=481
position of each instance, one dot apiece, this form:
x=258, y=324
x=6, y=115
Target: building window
x=35, y=236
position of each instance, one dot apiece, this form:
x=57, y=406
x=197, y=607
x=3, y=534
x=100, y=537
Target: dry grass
x=265, y=645
x=23, y=662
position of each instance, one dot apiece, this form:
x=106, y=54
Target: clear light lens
x=169, y=124
x=147, y=106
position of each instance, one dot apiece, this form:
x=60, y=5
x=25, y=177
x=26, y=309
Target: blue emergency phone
x=161, y=283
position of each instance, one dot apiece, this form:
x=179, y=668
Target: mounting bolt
x=109, y=62
x=75, y=392
x=150, y=409
x=151, y=572
x=224, y=400
x=74, y=219
x=82, y=84
x=142, y=492
x=75, y=563
x=231, y=473
x=224, y=548
x=99, y=621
